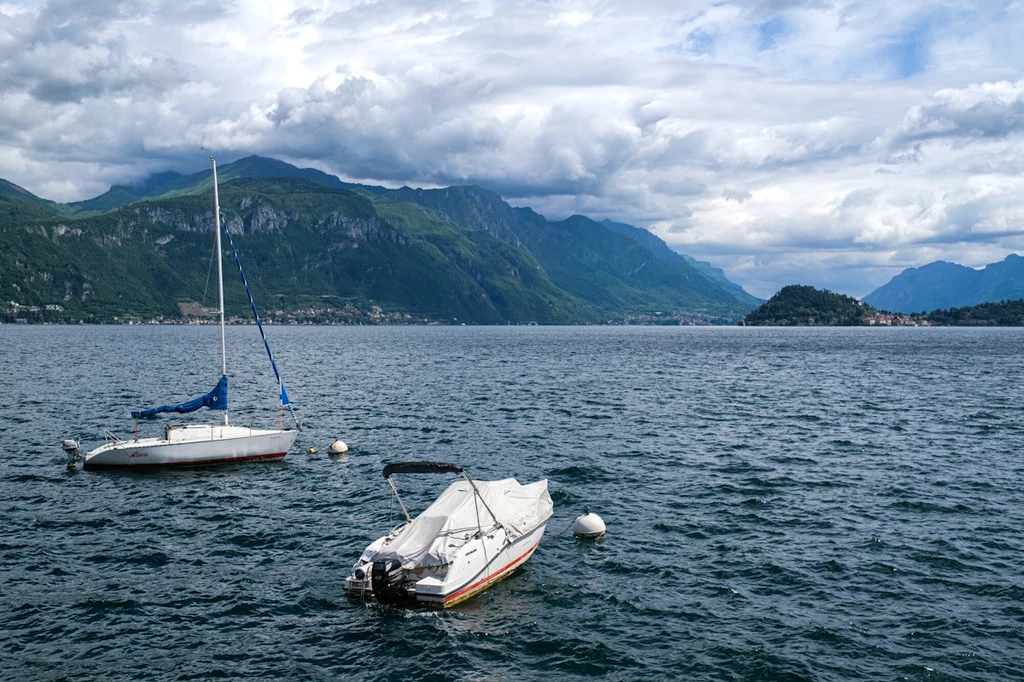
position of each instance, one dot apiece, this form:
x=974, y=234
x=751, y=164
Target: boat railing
x=111, y=437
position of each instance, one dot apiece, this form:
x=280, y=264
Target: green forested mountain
x=14, y=210
x=304, y=245
x=1002, y=314
x=797, y=305
x=662, y=251
x=314, y=244
x=583, y=257
x=167, y=185
x=9, y=191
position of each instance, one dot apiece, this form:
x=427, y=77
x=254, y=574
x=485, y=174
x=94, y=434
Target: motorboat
x=471, y=537
x=199, y=444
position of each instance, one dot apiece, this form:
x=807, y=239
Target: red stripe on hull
x=193, y=463
x=511, y=566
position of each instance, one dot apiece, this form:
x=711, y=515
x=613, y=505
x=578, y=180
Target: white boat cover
x=446, y=524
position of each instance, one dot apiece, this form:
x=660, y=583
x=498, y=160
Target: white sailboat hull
x=195, y=445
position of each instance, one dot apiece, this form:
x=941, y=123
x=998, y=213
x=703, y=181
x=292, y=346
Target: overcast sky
x=823, y=143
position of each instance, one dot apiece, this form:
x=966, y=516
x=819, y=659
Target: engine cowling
x=388, y=581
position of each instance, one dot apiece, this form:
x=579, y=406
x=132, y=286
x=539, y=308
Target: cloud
x=65, y=55
x=977, y=111
x=829, y=140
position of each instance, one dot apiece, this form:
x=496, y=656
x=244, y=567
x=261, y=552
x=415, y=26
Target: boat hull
x=497, y=569
x=462, y=580
x=194, y=446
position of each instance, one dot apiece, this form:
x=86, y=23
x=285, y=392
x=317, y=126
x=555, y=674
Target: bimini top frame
x=432, y=468
x=421, y=468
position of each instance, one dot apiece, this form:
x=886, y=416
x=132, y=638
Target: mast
x=220, y=279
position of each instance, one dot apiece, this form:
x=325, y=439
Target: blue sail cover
x=217, y=399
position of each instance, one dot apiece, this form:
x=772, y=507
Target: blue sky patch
x=700, y=42
x=907, y=53
x=769, y=33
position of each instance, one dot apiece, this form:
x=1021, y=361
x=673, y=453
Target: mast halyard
x=220, y=279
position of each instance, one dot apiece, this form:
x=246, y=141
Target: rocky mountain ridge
x=314, y=243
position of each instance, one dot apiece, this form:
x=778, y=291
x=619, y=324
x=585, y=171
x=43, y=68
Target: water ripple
x=818, y=504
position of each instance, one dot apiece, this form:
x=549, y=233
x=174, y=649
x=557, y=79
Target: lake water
x=782, y=504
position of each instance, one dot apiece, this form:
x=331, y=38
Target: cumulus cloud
x=979, y=110
x=834, y=141
x=65, y=54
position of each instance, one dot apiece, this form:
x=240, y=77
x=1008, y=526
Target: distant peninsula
x=804, y=306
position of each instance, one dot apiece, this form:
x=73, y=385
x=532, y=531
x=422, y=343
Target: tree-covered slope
x=168, y=185
x=11, y=191
x=617, y=273
x=460, y=252
x=662, y=250
x=14, y=209
x=1001, y=314
x=798, y=305
x=93, y=269
x=612, y=272
x=509, y=276
x=303, y=244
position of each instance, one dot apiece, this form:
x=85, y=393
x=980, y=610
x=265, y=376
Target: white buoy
x=588, y=525
x=338, y=447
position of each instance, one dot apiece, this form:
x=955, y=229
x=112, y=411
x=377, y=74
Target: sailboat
x=199, y=444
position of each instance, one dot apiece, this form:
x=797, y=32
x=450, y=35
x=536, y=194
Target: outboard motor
x=73, y=452
x=387, y=580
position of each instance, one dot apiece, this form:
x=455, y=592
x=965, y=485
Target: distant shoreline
x=804, y=306
x=519, y=324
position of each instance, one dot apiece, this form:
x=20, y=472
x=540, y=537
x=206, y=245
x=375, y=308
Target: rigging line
x=259, y=324
x=198, y=333
x=209, y=273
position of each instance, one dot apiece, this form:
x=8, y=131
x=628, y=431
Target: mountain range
x=942, y=285
x=322, y=249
